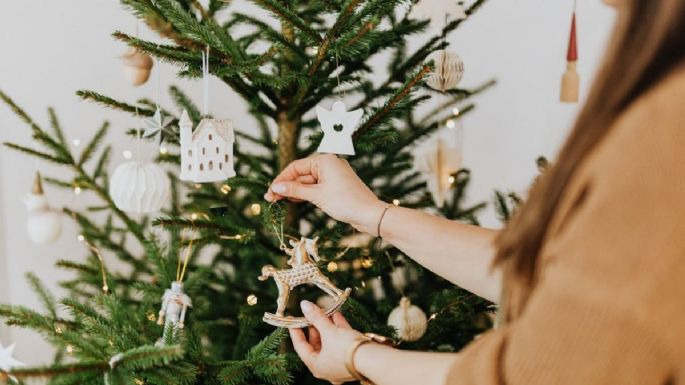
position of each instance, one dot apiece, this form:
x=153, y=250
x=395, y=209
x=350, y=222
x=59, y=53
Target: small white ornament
x=137, y=66
x=7, y=362
x=440, y=12
x=338, y=125
x=206, y=153
x=44, y=224
x=175, y=303
x=437, y=159
x=139, y=187
x=410, y=321
x=448, y=70
x=157, y=125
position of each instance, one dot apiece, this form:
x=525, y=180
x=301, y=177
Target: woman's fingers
x=316, y=316
x=302, y=346
x=314, y=338
x=340, y=321
x=294, y=191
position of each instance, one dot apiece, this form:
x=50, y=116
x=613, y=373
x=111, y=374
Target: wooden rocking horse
x=303, y=258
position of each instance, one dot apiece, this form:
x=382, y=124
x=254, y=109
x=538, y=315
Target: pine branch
x=114, y=104
x=94, y=143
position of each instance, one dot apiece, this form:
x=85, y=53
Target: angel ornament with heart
x=303, y=257
x=338, y=125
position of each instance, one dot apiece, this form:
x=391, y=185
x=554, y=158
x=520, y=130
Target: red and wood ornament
x=570, y=81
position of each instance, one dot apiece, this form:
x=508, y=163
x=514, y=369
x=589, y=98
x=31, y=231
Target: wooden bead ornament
x=137, y=66
x=409, y=321
x=303, y=257
x=448, y=70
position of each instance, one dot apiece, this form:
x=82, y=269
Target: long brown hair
x=648, y=43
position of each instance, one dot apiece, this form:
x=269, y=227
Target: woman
x=593, y=264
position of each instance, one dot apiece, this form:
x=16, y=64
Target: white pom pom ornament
x=409, y=320
x=139, y=187
x=448, y=70
x=44, y=224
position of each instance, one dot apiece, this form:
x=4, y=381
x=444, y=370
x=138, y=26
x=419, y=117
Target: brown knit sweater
x=609, y=304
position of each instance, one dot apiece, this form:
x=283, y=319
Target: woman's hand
x=325, y=349
x=329, y=183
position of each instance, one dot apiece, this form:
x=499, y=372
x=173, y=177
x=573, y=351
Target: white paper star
x=7, y=362
x=156, y=125
x=440, y=12
x=338, y=125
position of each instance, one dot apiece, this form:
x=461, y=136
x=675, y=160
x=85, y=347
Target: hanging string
x=159, y=83
x=179, y=277
x=138, y=136
x=98, y=254
x=205, y=81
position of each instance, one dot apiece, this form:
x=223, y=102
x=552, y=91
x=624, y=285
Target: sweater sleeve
x=608, y=304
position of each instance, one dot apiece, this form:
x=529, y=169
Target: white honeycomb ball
x=409, y=321
x=448, y=70
x=139, y=187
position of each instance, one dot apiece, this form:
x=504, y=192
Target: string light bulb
x=193, y=216
x=163, y=150
x=198, y=186
x=256, y=209
x=225, y=189
x=450, y=123
x=81, y=238
x=127, y=154
x=76, y=142
x=451, y=179
x=456, y=111
x=332, y=266
x=367, y=262
x=77, y=190
x=396, y=202
x=252, y=299
x=70, y=349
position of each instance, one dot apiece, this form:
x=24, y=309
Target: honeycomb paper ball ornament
x=137, y=66
x=448, y=70
x=139, y=187
x=409, y=320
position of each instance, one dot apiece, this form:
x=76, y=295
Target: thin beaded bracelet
x=380, y=221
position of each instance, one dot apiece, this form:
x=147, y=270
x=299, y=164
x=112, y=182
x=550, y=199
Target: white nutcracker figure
x=175, y=303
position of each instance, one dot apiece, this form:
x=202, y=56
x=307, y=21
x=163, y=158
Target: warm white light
x=127, y=154
x=251, y=299
x=193, y=216
x=332, y=267
x=163, y=150
x=450, y=123
x=198, y=186
x=76, y=142
x=456, y=111
x=81, y=238
x=450, y=180
x=77, y=190
x=225, y=189
x=70, y=349
x=367, y=262
x=256, y=209
x=396, y=202
x=238, y=237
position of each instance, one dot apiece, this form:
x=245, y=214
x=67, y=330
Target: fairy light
x=59, y=330
x=98, y=254
x=198, y=186
x=81, y=238
x=450, y=123
x=332, y=266
x=193, y=216
x=225, y=189
x=367, y=262
x=451, y=180
x=432, y=317
x=70, y=349
x=238, y=237
x=76, y=142
x=151, y=316
x=396, y=202
x=252, y=299
x=456, y=111
x=363, y=284
x=127, y=154
x=77, y=190
x=256, y=209
x=163, y=150
x=111, y=342
x=138, y=381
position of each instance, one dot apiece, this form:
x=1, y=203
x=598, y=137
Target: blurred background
x=50, y=49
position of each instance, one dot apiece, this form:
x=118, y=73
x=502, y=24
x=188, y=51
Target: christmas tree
x=218, y=236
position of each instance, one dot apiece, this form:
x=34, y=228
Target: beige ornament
x=409, y=321
x=437, y=159
x=44, y=224
x=303, y=257
x=137, y=66
x=448, y=70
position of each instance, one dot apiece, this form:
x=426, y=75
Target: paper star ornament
x=157, y=125
x=439, y=12
x=338, y=125
x=438, y=159
x=7, y=362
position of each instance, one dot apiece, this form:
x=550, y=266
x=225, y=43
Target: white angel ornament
x=338, y=125
x=175, y=303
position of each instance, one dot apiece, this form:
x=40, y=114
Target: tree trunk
x=287, y=148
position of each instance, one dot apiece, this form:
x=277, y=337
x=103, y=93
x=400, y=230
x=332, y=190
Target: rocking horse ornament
x=303, y=257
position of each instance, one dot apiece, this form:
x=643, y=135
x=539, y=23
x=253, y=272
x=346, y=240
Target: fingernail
x=267, y=197
x=278, y=188
x=306, y=306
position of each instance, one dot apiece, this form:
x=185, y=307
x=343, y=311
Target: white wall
x=51, y=50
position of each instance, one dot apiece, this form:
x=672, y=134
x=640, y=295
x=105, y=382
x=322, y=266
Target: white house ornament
x=447, y=72
x=338, y=125
x=439, y=12
x=437, y=159
x=207, y=152
x=43, y=224
x=137, y=66
x=139, y=187
x=303, y=257
x=158, y=124
x=7, y=361
x=175, y=304
x=409, y=321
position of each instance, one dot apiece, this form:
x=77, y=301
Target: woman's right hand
x=329, y=183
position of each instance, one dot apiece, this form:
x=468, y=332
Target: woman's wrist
x=370, y=218
x=364, y=357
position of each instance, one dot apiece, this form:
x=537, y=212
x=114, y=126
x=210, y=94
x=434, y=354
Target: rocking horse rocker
x=303, y=258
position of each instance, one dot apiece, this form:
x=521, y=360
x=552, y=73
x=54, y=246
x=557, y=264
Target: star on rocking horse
x=303, y=258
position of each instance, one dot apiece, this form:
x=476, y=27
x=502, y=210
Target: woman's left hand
x=325, y=349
